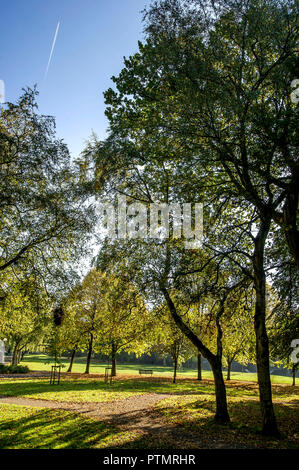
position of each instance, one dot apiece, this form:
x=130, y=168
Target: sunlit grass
x=96, y=390
x=92, y=390
x=37, y=362
x=67, y=390
x=33, y=428
x=188, y=410
x=195, y=414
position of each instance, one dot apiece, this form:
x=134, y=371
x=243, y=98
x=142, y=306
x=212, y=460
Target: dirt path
x=136, y=414
x=131, y=412
x=30, y=375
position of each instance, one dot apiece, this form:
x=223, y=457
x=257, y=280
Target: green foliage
x=13, y=369
x=112, y=310
x=168, y=339
x=203, y=111
x=25, y=315
x=42, y=215
x=54, y=344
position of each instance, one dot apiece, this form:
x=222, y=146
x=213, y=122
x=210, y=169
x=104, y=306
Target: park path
x=132, y=412
x=138, y=415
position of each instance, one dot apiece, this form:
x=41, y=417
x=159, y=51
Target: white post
x=2, y=351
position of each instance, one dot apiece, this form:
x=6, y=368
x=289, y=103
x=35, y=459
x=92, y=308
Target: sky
x=92, y=39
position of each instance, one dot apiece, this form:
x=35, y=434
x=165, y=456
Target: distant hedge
x=10, y=369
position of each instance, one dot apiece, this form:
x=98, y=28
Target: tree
x=25, y=317
x=126, y=321
x=283, y=318
x=153, y=267
x=215, y=77
x=89, y=306
x=199, y=374
x=236, y=61
x=73, y=326
x=108, y=314
x=160, y=267
x=169, y=340
x=238, y=331
x=284, y=328
x=42, y=213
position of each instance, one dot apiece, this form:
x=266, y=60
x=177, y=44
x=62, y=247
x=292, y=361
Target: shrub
x=10, y=369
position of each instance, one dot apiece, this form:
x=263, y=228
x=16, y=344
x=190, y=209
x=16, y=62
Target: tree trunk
x=22, y=355
x=175, y=364
x=90, y=344
x=72, y=360
x=113, y=359
x=15, y=355
x=229, y=364
x=199, y=377
x=269, y=426
x=19, y=355
x=222, y=415
x=294, y=375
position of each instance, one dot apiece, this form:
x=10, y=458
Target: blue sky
x=93, y=37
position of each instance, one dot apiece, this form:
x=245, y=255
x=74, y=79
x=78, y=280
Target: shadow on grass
x=29, y=387
x=96, y=390
x=193, y=426
x=180, y=424
x=56, y=429
x=196, y=417
x=51, y=429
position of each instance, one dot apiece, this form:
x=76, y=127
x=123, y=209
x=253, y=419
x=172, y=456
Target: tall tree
x=153, y=267
x=126, y=322
x=43, y=217
x=89, y=306
x=238, y=331
x=25, y=317
x=215, y=77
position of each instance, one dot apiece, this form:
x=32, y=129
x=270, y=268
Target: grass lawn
x=96, y=390
x=195, y=415
x=187, y=416
x=37, y=362
x=36, y=428
x=184, y=413
x=71, y=390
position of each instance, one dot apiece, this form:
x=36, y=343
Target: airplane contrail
x=52, y=49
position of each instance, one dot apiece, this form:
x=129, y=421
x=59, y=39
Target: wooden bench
x=146, y=371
